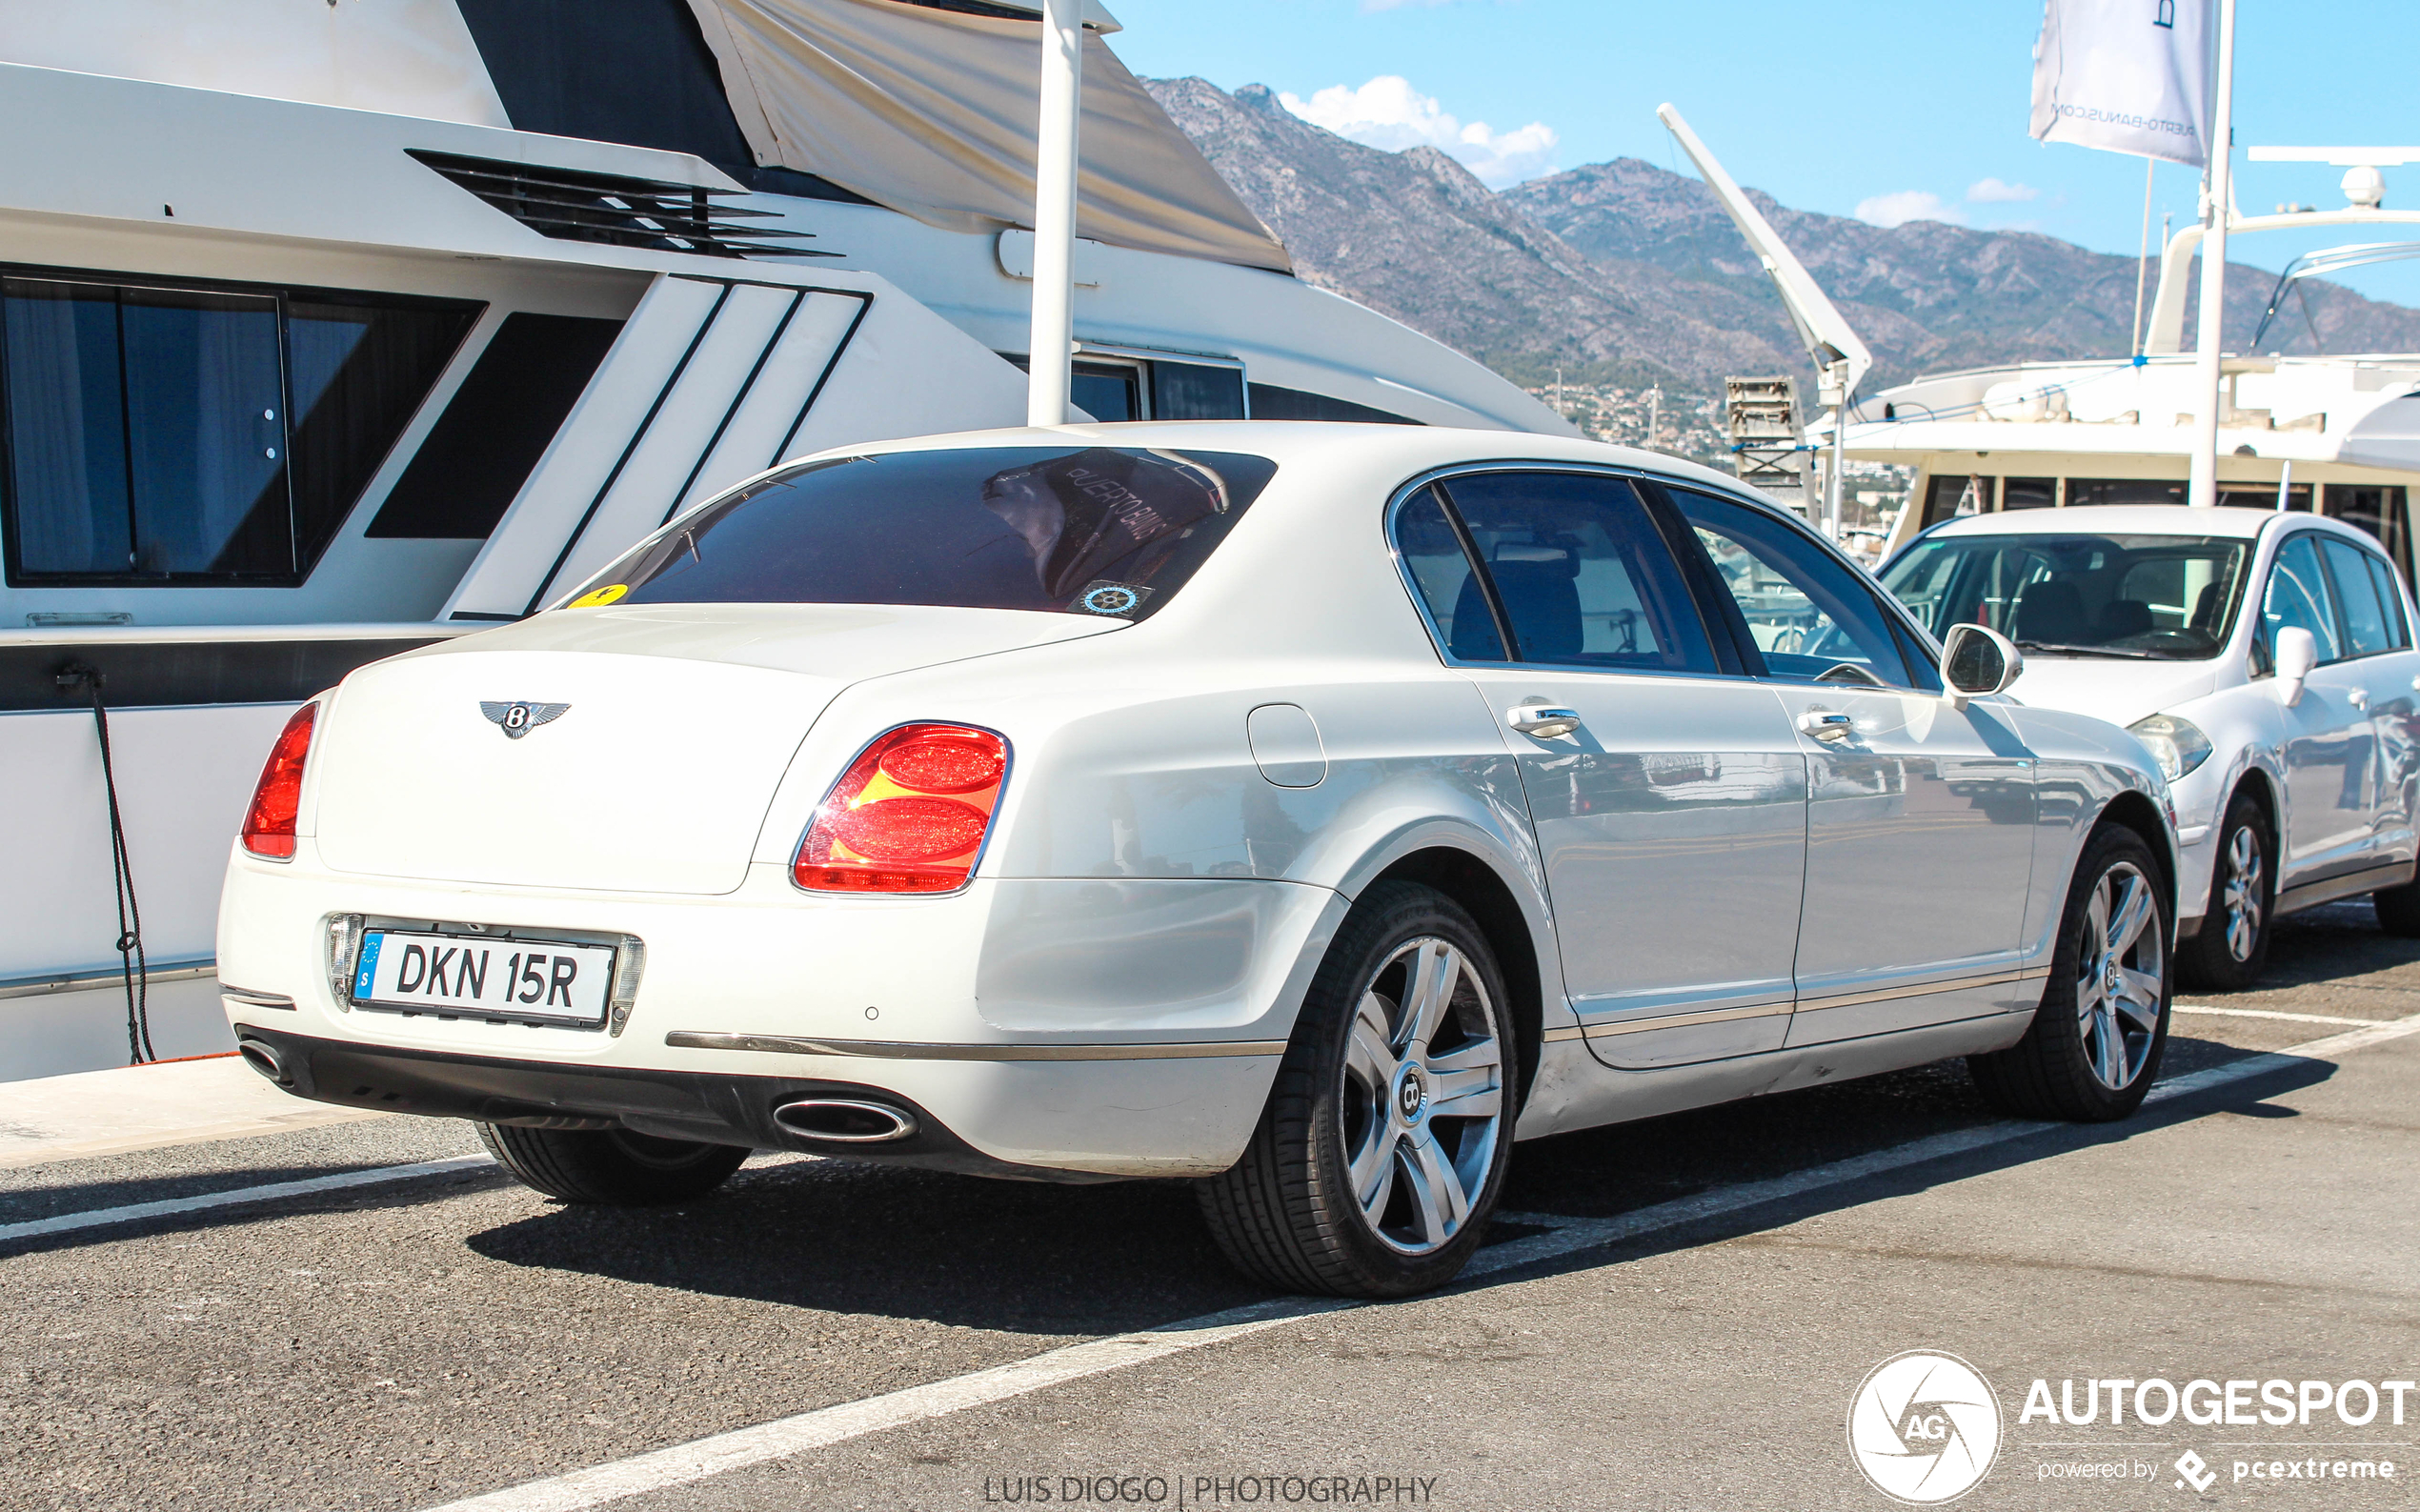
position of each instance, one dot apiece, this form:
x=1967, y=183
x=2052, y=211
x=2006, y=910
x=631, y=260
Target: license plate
x=522, y=979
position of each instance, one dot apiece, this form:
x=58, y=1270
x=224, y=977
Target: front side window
x=152, y=433
x=2170, y=597
x=1811, y=617
x=1579, y=574
x=2298, y=596
x=2365, y=632
x=1100, y=530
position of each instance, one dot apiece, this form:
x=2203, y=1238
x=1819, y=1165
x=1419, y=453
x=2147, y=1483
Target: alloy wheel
x=1424, y=1098
x=2240, y=892
x=2121, y=980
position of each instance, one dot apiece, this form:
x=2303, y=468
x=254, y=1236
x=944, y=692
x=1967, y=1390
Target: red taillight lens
x=909, y=816
x=268, y=824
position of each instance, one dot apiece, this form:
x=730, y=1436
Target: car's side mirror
x=2297, y=653
x=1976, y=661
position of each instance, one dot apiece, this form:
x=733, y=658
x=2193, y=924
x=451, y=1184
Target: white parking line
x=825, y=1426
x=2269, y=1013
x=170, y=1208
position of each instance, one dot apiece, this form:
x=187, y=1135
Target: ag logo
x=1924, y=1428
x=520, y=716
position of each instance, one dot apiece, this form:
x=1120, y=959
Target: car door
x=2378, y=651
x=1664, y=787
x=2329, y=743
x=1920, y=814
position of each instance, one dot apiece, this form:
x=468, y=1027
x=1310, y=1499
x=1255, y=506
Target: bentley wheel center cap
x=2110, y=977
x=1410, y=1097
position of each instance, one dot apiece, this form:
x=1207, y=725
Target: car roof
x=1408, y=449
x=2121, y=519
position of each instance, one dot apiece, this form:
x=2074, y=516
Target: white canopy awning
x=933, y=113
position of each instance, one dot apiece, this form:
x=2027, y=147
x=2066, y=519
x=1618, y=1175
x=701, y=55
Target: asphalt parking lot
x=1677, y=1314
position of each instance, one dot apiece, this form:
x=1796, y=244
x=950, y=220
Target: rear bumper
x=672, y=1104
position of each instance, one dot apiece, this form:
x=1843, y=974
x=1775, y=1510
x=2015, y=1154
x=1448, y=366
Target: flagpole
x=2203, y=489
x=1050, y=359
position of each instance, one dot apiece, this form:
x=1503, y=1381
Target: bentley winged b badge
x=519, y=716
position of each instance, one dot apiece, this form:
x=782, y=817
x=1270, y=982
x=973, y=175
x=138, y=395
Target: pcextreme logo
x=1924, y=1428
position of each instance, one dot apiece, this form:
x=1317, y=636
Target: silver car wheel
x=2241, y=892
x=2121, y=976
x=1424, y=1098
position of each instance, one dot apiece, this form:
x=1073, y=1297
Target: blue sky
x=1894, y=105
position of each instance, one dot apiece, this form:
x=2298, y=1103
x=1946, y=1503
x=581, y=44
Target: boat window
x=1581, y=574
x=2088, y=595
x=1812, y=616
x=1271, y=401
x=1440, y=572
x=190, y=436
x=496, y=426
x=2086, y=491
x=2365, y=628
x=1106, y=390
x=2298, y=596
x=1946, y=498
x=2028, y=492
x=1103, y=530
x=1195, y=391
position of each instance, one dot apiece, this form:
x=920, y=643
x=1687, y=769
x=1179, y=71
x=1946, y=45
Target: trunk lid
x=651, y=738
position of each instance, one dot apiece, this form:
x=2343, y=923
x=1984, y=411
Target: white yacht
x=329, y=330
x=2337, y=434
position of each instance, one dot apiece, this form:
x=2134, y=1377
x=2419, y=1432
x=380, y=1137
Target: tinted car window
x=1083, y=530
x=2365, y=632
x=2399, y=632
x=1812, y=616
x=1441, y=571
x=2298, y=596
x=1581, y=572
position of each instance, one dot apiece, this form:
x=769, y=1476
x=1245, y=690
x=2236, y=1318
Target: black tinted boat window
x=1104, y=531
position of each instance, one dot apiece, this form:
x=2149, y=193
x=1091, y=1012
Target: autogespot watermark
x=1330, y=1488
x=1925, y=1428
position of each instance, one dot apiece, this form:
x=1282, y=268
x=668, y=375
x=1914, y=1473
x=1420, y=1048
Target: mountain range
x=1625, y=272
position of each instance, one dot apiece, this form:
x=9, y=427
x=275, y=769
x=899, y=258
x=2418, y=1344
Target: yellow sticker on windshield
x=599, y=597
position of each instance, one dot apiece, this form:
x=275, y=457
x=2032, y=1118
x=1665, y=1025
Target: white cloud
x=1388, y=113
x=1907, y=203
x=1992, y=192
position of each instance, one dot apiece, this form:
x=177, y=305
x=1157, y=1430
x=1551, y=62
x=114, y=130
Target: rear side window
x=1580, y=575
x=1100, y=530
x=2383, y=576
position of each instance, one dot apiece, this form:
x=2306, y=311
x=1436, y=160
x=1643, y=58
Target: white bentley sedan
x=1307, y=811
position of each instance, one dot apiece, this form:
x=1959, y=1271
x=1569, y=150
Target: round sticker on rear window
x=1104, y=597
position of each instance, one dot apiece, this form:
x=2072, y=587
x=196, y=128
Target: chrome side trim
x=2368, y=879
x=1569, y=1032
x=909, y=1050
x=255, y=999
x=1924, y=989
x=1705, y=1016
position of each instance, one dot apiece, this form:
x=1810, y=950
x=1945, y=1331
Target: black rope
x=129, y=916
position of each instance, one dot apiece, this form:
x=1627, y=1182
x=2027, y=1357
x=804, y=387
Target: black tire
x=2232, y=948
x=2057, y=1071
x=614, y=1167
x=2398, y=910
x=1288, y=1213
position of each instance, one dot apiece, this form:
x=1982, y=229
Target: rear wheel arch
x=1492, y=904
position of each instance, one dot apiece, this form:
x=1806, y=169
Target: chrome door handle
x=1826, y=725
x=2358, y=697
x=1542, y=721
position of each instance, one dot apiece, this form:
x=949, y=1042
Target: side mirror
x=1976, y=662
x=2297, y=653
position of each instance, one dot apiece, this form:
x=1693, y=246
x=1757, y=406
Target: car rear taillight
x=268, y=824
x=909, y=816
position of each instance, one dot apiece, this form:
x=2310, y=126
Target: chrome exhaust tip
x=263, y=1056
x=845, y=1120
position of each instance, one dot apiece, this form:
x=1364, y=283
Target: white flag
x=2126, y=77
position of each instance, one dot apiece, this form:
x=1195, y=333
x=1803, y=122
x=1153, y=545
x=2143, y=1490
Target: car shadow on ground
x=2334, y=944
x=1046, y=1259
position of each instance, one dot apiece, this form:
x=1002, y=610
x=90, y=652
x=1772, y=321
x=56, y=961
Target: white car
x=2265, y=657
x=1182, y=801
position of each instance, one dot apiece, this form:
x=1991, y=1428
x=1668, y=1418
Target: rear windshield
x=1100, y=530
